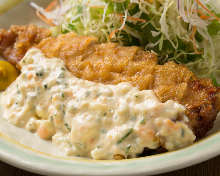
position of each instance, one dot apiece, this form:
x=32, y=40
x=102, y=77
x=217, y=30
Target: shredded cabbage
x=179, y=30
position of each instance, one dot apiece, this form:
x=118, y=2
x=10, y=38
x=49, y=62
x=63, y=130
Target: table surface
x=208, y=168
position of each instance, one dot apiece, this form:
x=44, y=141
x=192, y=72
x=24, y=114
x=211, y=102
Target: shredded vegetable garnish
x=186, y=31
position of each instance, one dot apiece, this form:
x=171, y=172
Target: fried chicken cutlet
x=111, y=63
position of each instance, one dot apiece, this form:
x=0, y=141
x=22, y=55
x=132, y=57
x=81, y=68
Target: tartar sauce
x=90, y=119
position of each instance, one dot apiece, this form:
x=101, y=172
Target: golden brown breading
x=107, y=63
x=15, y=42
x=111, y=63
x=176, y=82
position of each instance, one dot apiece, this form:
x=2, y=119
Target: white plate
x=25, y=150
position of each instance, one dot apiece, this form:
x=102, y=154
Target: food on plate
x=111, y=63
x=87, y=88
x=90, y=119
x=8, y=73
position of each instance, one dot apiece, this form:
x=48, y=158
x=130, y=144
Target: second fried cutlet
x=15, y=42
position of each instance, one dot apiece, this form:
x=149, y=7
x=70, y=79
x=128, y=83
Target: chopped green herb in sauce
x=67, y=126
x=143, y=121
x=62, y=108
x=182, y=132
x=39, y=73
x=51, y=119
x=45, y=86
x=18, y=90
x=63, y=69
x=128, y=149
x=125, y=136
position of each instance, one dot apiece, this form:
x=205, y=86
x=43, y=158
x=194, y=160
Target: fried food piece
x=176, y=82
x=15, y=42
x=108, y=63
x=111, y=63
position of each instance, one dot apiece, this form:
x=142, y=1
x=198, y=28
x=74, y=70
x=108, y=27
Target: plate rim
x=23, y=157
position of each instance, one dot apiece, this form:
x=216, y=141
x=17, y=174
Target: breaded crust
x=111, y=63
x=15, y=42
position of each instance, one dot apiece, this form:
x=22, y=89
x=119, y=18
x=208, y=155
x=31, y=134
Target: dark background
x=208, y=168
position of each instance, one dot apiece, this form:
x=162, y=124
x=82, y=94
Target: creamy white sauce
x=90, y=119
